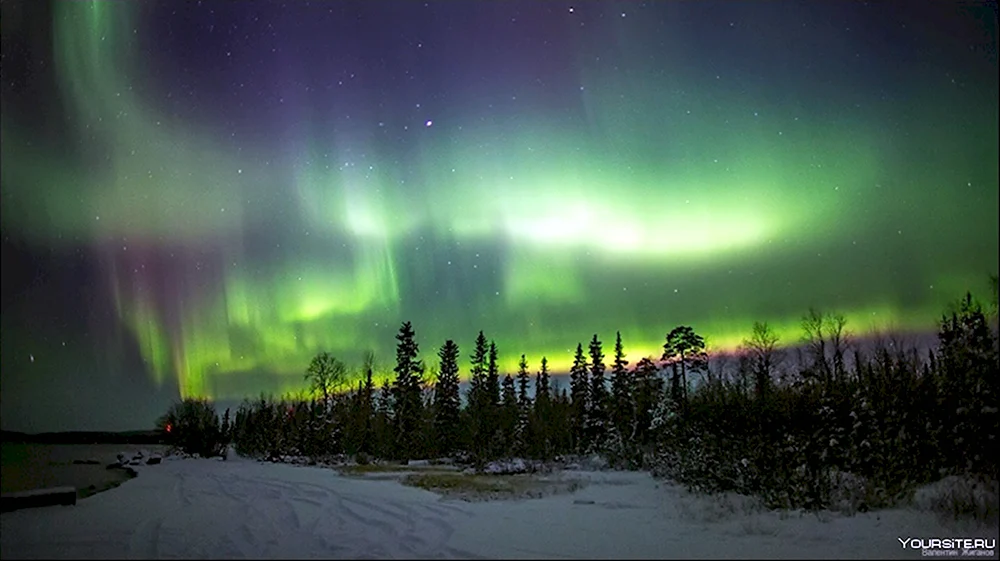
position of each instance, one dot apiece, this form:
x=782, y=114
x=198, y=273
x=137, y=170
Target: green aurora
x=673, y=189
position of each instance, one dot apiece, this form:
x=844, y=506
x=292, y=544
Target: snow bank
x=240, y=508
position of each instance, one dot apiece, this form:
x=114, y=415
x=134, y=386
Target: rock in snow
x=506, y=467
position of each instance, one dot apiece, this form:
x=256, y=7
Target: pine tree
x=446, y=400
x=623, y=408
x=685, y=349
x=597, y=415
x=580, y=392
x=407, y=391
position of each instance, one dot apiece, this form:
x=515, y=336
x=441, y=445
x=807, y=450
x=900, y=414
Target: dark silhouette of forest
x=795, y=431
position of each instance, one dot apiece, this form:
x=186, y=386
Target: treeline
x=795, y=433
x=828, y=433
x=523, y=415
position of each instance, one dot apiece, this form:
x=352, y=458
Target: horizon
x=718, y=361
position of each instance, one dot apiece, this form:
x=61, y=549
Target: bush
x=193, y=426
x=960, y=497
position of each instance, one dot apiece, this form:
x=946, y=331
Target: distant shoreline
x=83, y=437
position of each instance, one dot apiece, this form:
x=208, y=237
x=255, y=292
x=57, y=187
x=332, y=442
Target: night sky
x=199, y=197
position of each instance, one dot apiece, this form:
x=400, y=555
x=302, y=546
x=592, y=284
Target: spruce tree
x=524, y=408
x=478, y=374
x=523, y=380
x=508, y=415
x=446, y=400
x=541, y=426
x=623, y=406
x=384, y=421
x=563, y=419
x=227, y=431
x=352, y=441
x=407, y=390
x=579, y=392
x=647, y=389
x=492, y=417
x=493, y=376
x=367, y=413
x=542, y=390
x=597, y=415
x=968, y=360
x=477, y=408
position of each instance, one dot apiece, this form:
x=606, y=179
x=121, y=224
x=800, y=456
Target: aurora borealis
x=201, y=196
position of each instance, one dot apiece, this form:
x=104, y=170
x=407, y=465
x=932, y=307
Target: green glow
x=538, y=229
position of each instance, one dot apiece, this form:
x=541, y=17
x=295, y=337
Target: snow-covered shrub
x=593, y=462
x=621, y=454
x=848, y=492
x=961, y=496
x=718, y=507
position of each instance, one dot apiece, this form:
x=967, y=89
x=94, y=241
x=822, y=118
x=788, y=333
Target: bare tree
x=815, y=338
x=995, y=286
x=326, y=375
x=835, y=324
x=764, y=355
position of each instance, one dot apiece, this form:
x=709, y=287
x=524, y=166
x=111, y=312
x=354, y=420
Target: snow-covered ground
x=241, y=508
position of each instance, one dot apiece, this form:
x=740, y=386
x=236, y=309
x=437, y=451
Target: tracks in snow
x=240, y=510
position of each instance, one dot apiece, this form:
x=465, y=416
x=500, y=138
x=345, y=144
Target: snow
x=242, y=508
